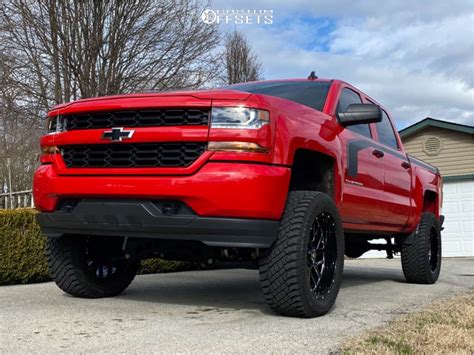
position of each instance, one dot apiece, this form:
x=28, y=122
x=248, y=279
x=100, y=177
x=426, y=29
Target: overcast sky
x=414, y=57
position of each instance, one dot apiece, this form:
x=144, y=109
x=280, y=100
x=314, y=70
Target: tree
x=55, y=51
x=90, y=48
x=19, y=130
x=241, y=62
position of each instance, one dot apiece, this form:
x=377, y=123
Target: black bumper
x=148, y=219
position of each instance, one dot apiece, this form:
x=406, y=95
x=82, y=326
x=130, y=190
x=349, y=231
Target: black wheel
x=89, y=267
x=302, y=272
x=421, y=252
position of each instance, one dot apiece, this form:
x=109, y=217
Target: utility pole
x=10, y=191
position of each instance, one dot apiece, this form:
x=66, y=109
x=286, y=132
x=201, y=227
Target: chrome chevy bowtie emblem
x=117, y=134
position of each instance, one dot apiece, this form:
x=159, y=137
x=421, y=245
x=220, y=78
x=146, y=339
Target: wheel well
x=430, y=202
x=312, y=171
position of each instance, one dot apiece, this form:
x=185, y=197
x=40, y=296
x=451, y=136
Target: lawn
x=444, y=327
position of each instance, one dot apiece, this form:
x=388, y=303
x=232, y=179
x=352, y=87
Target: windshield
x=309, y=93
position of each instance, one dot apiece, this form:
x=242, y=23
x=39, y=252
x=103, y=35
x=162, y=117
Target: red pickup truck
x=289, y=175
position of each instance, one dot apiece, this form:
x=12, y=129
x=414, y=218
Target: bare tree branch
x=241, y=62
x=55, y=51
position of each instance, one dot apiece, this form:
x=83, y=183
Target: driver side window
x=347, y=98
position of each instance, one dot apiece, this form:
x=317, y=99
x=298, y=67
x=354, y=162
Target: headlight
x=239, y=118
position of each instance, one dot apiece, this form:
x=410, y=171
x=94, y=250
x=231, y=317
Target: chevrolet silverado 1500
x=286, y=175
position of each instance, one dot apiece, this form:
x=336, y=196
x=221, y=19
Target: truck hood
x=150, y=99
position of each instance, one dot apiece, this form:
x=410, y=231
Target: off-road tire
x=283, y=268
x=69, y=269
x=418, y=251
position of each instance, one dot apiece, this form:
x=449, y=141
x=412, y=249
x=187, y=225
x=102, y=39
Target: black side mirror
x=359, y=114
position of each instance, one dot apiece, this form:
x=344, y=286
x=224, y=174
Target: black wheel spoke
x=101, y=264
x=315, y=278
x=322, y=255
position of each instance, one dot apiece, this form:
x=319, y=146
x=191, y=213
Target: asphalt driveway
x=212, y=312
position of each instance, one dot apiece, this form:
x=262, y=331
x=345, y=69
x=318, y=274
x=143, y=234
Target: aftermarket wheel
x=89, y=267
x=421, y=252
x=301, y=273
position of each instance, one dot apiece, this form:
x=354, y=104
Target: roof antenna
x=312, y=76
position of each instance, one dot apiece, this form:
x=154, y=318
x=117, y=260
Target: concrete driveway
x=212, y=311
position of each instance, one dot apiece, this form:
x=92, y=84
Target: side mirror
x=359, y=114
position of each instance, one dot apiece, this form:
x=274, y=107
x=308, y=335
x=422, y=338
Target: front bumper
x=231, y=203
x=148, y=219
x=218, y=189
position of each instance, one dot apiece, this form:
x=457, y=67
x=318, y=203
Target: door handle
x=406, y=165
x=378, y=153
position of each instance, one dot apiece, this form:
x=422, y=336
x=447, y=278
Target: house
x=450, y=147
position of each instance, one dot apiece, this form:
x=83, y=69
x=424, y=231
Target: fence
x=20, y=199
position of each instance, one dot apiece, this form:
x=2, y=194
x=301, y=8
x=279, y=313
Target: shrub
x=22, y=258
x=21, y=248
x=152, y=266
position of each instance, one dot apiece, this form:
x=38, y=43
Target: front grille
x=137, y=155
x=138, y=118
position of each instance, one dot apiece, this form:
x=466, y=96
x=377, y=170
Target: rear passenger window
x=348, y=97
x=385, y=132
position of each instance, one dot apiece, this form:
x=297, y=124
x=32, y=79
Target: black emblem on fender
x=353, y=149
x=356, y=145
x=117, y=134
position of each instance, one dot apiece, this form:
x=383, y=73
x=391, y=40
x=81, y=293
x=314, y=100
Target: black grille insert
x=138, y=118
x=137, y=155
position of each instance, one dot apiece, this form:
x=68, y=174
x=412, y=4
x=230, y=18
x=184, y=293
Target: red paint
x=217, y=189
x=383, y=196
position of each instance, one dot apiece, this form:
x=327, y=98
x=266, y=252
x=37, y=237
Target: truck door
x=397, y=175
x=363, y=170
